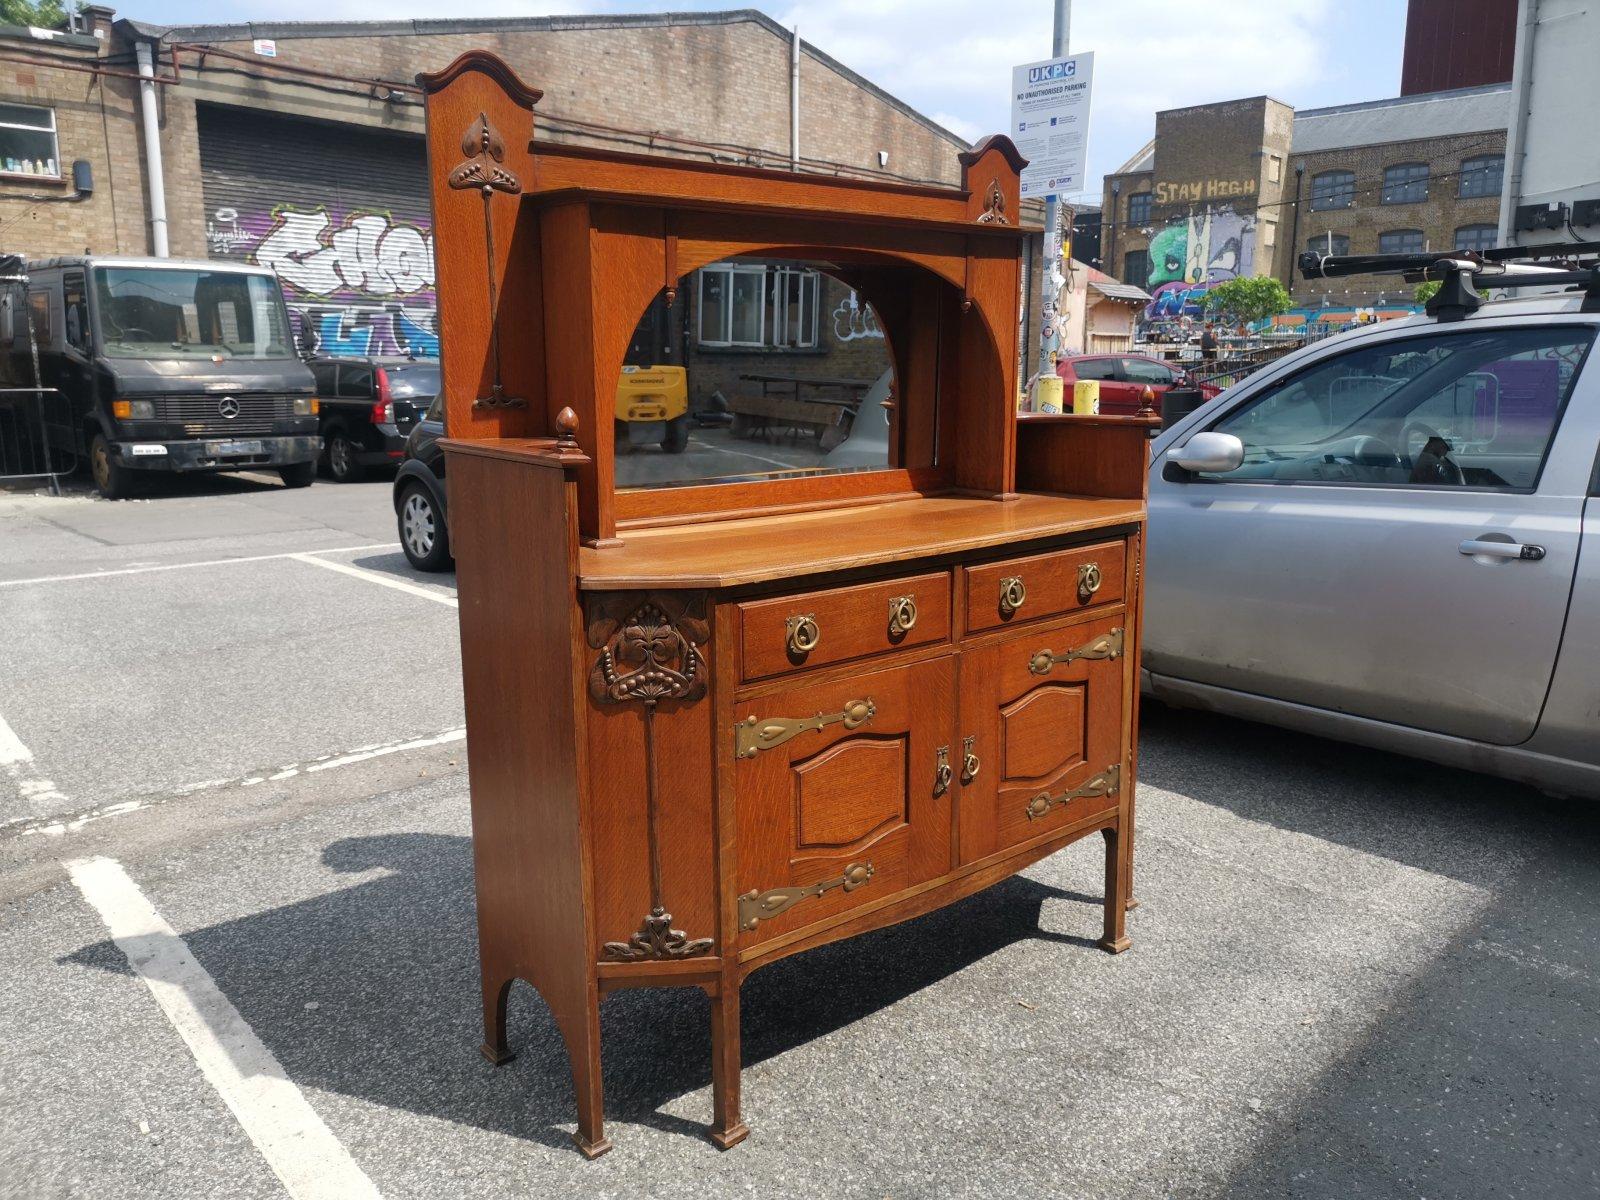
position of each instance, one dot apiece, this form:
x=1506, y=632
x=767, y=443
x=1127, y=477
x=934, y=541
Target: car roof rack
x=1576, y=264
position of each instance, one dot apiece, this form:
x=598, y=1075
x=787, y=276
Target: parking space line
x=378, y=577
x=213, y=562
x=16, y=760
x=301, y=1150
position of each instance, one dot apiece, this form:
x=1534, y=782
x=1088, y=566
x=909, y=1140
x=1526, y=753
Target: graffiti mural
x=853, y=320
x=358, y=282
x=1191, y=254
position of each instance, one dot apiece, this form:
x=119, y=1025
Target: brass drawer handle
x=1107, y=783
x=941, y=772
x=753, y=735
x=804, y=633
x=1107, y=645
x=969, y=760
x=902, y=615
x=1089, y=580
x=756, y=906
x=1012, y=594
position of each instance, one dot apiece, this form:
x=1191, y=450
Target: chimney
x=97, y=20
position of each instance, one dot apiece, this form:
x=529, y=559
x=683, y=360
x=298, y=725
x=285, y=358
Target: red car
x=1123, y=378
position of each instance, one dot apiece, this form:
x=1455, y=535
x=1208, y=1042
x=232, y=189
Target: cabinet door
x=837, y=802
x=1044, y=712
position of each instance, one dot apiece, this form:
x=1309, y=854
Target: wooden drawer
x=1048, y=585
x=844, y=623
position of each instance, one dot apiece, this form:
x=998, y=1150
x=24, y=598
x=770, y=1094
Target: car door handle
x=1525, y=550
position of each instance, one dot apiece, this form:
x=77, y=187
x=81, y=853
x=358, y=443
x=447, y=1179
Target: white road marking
x=16, y=760
x=213, y=562
x=301, y=1150
x=378, y=577
x=452, y=735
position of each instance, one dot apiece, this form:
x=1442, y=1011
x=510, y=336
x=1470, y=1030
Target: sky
x=952, y=59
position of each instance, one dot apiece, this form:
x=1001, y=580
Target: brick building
x=1242, y=187
x=299, y=145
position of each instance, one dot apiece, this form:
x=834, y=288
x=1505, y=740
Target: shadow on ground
x=1483, y=1079
x=391, y=965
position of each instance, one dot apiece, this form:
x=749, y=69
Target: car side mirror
x=1216, y=452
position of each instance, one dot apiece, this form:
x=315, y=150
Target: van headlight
x=133, y=410
x=306, y=406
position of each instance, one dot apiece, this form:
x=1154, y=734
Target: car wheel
x=298, y=475
x=423, y=535
x=340, y=453
x=113, y=480
x=677, y=439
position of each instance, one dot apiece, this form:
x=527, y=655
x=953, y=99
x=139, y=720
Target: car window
x=436, y=409
x=1143, y=370
x=355, y=379
x=1469, y=408
x=323, y=373
x=1095, y=368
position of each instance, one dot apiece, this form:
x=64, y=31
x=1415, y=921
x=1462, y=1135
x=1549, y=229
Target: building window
x=1269, y=235
x=1481, y=176
x=1274, y=168
x=1329, y=243
x=1405, y=183
x=1139, y=209
x=28, y=140
x=1333, y=189
x=1402, y=241
x=1136, y=268
x=1476, y=237
x=760, y=306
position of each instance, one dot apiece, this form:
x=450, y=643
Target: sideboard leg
x=727, y=1127
x=1115, y=940
x=495, y=993
x=583, y=1047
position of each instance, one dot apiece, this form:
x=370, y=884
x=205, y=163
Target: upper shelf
x=731, y=553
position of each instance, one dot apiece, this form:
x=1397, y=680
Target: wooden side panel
x=987, y=371
x=515, y=539
x=480, y=88
x=1085, y=456
x=1037, y=734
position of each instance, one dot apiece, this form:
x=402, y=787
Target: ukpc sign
x=1050, y=122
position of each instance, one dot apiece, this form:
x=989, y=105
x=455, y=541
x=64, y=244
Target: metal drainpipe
x=152, y=150
x=1294, y=232
x=794, y=101
x=1517, y=135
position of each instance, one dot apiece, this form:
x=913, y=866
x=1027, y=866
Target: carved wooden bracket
x=994, y=207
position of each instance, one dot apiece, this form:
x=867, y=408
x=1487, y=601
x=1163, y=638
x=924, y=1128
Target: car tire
x=113, y=480
x=298, y=475
x=424, y=536
x=339, y=453
x=677, y=439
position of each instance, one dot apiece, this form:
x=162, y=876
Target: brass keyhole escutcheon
x=1013, y=594
x=942, y=772
x=902, y=615
x=1089, y=580
x=804, y=634
x=969, y=760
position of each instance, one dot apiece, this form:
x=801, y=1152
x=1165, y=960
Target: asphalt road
x=1352, y=974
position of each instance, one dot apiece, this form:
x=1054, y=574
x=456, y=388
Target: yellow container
x=1086, y=398
x=1047, y=395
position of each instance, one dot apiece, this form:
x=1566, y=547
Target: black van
x=163, y=365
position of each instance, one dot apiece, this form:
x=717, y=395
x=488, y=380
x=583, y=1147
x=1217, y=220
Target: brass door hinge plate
x=1107, y=783
x=754, y=734
x=1107, y=645
x=757, y=906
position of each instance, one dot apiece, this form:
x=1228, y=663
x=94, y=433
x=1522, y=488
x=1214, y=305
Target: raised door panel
x=1044, y=710
x=835, y=794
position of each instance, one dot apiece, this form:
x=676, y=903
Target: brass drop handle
x=969, y=760
x=804, y=634
x=1012, y=594
x=942, y=772
x=1089, y=580
x=902, y=615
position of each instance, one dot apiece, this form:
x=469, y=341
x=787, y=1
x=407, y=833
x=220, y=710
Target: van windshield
x=159, y=312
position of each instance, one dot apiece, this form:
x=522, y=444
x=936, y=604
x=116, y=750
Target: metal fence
x=1240, y=362
x=36, y=436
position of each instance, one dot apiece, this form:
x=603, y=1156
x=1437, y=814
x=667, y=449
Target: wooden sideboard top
x=732, y=553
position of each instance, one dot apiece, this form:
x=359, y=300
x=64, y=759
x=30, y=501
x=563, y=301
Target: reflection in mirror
x=757, y=369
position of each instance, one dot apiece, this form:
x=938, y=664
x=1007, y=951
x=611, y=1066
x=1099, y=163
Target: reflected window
x=760, y=369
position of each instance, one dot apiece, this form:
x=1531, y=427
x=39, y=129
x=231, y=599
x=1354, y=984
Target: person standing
x=1208, y=343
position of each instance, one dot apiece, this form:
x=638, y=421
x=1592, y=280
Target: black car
x=419, y=495
x=368, y=406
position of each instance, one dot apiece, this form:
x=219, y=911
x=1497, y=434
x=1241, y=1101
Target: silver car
x=1393, y=538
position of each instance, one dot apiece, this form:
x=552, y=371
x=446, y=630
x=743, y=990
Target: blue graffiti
x=357, y=331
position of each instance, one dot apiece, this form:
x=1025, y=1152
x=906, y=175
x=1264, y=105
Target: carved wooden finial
x=1147, y=402
x=567, y=428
